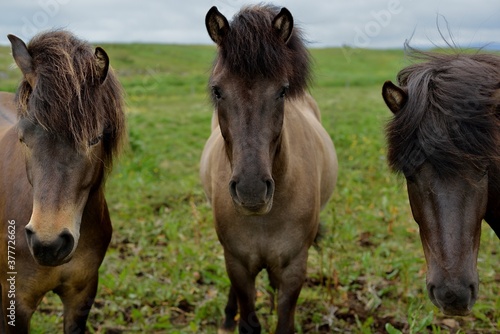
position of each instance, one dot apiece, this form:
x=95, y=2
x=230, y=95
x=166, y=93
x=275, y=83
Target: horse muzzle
x=454, y=300
x=252, y=198
x=52, y=252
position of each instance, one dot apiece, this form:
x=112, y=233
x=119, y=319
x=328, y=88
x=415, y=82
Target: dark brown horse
x=445, y=138
x=268, y=166
x=58, y=136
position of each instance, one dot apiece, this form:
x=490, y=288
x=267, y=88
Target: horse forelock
x=451, y=119
x=251, y=49
x=68, y=98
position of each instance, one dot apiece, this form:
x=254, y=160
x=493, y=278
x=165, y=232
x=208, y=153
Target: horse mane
x=251, y=50
x=68, y=99
x=452, y=116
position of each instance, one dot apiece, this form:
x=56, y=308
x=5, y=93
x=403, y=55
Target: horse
x=269, y=166
x=58, y=136
x=444, y=137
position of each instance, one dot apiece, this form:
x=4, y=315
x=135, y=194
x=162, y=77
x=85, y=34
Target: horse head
x=62, y=167
x=252, y=77
x=448, y=194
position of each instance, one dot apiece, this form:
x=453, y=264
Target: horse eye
x=217, y=93
x=95, y=141
x=284, y=91
x=22, y=141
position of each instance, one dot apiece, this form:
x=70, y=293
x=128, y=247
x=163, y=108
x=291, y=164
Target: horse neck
x=96, y=208
x=301, y=113
x=291, y=123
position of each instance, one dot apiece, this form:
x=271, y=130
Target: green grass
x=164, y=271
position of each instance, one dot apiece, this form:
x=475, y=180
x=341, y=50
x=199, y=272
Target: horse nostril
x=29, y=235
x=66, y=244
x=472, y=288
x=270, y=188
x=431, y=292
x=29, y=231
x=232, y=189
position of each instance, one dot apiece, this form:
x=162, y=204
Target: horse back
x=7, y=112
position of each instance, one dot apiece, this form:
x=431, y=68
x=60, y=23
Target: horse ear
x=102, y=62
x=22, y=58
x=395, y=97
x=217, y=25
x=283, y=24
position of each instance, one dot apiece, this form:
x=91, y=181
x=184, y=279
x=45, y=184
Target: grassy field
x=164, y=271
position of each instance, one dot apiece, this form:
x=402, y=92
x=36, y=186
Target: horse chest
x=258, y=241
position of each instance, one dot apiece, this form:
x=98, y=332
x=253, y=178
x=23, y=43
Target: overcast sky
x=357, y=23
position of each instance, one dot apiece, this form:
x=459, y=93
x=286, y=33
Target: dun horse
x=268, y=166
x=445, y=138
x=58, y=136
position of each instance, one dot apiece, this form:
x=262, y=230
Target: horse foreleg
x=17, y=310
x=273, y=282
x=230, y=311
x=243, y=286
x=77, y=304
x=291, y=280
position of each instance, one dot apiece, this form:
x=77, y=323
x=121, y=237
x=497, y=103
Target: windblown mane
x=68, y=99
x=251, y=50
x=452, y=116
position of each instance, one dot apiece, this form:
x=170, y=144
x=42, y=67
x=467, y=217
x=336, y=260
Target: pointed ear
x=217, y=25
x=283, y=24
x=23, y=58
x=395, y=97
x=102, y=62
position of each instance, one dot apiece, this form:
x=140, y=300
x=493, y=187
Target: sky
x=354, y=23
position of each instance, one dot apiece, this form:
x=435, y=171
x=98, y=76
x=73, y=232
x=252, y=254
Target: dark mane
x=452, y=117
x=68, y=99
x=251, y=50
